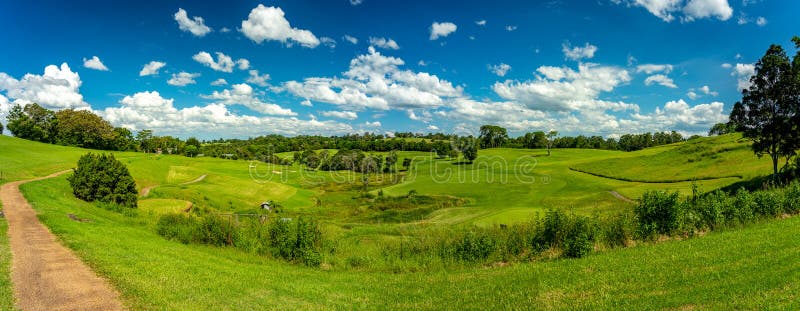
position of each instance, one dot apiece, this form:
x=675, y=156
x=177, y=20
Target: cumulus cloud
x=564, y=89
x=148, y=110
x=269, y=23
x=761, y=21
x=94, y=63
x=688, y=11
x=255, y=78
x=223, y=63
x=654, y=68
x=679, y=115
x=577, y=53
x=660, y=80
x=196, y=25
x=356, y=2
x=243, y=94
x=57, y=88
x=328, y=41
x=348, y=115
x=384, y=43
x=510, y=28
x=500, y=69
x=742, y=72
x=480, y=22
x=376, y=81
x=151, y=68
x=350, y=39
x=219, y=82
x=183, y=78
x=441, y=30
x=243, y=64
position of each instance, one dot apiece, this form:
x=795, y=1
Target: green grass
x=726, y=156
x=6, y=290
x=749, y=268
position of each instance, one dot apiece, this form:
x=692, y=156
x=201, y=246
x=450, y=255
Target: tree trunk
x=774, y=166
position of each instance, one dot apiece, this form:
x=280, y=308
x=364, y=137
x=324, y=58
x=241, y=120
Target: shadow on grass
x=753, y=184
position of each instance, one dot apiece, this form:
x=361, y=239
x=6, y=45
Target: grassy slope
x=748, y=268
x=713, y=157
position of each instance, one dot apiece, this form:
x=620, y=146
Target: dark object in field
x=78, y=219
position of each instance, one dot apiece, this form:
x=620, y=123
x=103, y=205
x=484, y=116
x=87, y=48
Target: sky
x=238, y=69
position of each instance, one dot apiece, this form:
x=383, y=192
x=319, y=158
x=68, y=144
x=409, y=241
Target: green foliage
x=33, y=122
x=492, y=136
x=103, y=178
x=579, y=238
x=83, y=128
x=658, y=212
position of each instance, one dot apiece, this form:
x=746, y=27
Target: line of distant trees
x=82, y=128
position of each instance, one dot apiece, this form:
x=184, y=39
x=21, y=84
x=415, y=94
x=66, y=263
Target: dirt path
x=145, y=191
x=198, y=179
x=621, y=197
x=46, y=275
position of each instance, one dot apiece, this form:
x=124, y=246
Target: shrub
x=281, y=238
x=177, y=227
x=215, y=230
x=791, y=202
x=474, y=246
x=619, y=230
x=742, y=208
x=768, y=203
x=658, y=212
x=552, y=230
x=579, y=239
x=308, y=242
x=103, y=178
x=711, y=210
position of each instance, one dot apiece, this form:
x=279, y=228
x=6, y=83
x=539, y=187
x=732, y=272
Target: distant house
x=267, y=206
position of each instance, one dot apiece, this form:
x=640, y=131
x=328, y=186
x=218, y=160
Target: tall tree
x=145, y=139
x=770, y=107
x=492, y=136
x=83, y=128
x=33, y=122
x=551, y=138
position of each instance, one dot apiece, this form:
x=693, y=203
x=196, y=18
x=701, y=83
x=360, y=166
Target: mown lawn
x=748, y=268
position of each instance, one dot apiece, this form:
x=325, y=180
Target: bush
x=658, y=212
x=103, y=178
x=474, y=246
x=619, y=230
x=743, y=207
x=579, y=239
x=177, y=227
x=711, y=210
x=768, y=203
x=552, y=230
x=791, y=202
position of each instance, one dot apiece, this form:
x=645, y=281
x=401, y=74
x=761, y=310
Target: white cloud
x=679, y=115
x=373, y=124
x=195, y=25
x=743, y=72
x=183, y=78
x=255, y=78
x=243, y=64
x=306, y=103
x=151, y=68
x=327, y=41
x=356, y=2
x=654, y=68
x=432, y=127
x=348, y=115
x=224, y=30
x=696, y=9
x=219, y=82
x=384, y=43
x=375, y=81
x=667, y=10
x=500, y=70
x=660, y=80
x=481, y=22
x=441, y=30
x=350, y=39
x=224, y=62
x=577, y=53
x=692, y=95
x=57, y=88
x=94, y=63
x=761, y=21
x=148, y=110
x=269, y=23
x=564, y=89
x=707, y=90
x=243, y=94
x=726, y=66
x=511, y=28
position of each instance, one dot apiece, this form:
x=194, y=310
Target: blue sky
x=605, y=67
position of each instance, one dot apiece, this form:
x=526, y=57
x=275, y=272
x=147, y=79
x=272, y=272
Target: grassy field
x=746, y=268
x=749, y=268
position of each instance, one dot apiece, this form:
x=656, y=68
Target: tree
x=470, y=150
x=771, y=108
x=551, y=138
x=1, y=128
x=83, y=128
x=103, y=178
x=123, y=140
x=33, y=122
x=370, y=164
x=190, y=151
x=406, y=163
x=145, y=139
x=191, y=141
x=391, y=161
x=492, y=136
x=721, y=129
